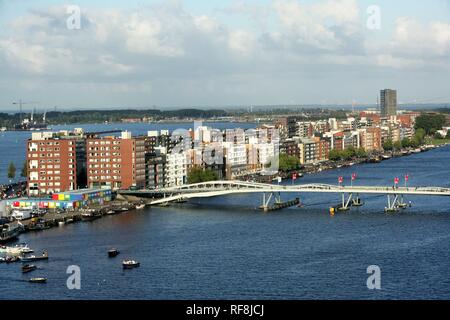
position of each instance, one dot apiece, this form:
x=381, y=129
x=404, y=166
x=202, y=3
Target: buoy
x=332, y=211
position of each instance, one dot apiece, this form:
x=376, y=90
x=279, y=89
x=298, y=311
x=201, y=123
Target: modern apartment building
x=55, y=162
x=307, y=151
x=176, y=169
x=155, y=170
x=371, y=139
x=235, y=156
x=388, y=102
x=116, y=162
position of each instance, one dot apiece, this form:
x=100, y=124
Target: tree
x=415, y=142
x=334, y=155
x=11, y=171
x=448, y=135
x=420, y=135
x=24, y=172
x=388, y=145
x=397, y=145
x=348, y=154
x=438, y=136
x=361, y=153
x=288, y=163
x=406, y=143
x=430, y=123
x=197, y=175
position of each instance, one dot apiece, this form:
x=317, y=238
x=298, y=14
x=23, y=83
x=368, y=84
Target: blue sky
x=218, y=53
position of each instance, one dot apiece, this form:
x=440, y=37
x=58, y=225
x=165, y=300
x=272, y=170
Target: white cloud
x=171, y=50
x=412, y=37
x=327, y=25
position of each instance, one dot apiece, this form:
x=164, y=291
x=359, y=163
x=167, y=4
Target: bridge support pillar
x=345, y=206
x=393, y=203
x=266, y=201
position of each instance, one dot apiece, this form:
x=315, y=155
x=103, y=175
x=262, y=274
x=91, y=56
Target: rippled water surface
x=225, y=248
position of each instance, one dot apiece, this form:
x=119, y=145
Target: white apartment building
x=176, y=169
x=235, y=159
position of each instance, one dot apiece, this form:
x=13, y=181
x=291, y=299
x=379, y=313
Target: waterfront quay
x=36, y=214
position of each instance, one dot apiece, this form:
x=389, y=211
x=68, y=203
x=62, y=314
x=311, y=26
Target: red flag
x=341, y=179
x=354, y=176
x=396, y=180
x=406, y=177
x=294, y=176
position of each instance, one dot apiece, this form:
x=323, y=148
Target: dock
x=280, y=205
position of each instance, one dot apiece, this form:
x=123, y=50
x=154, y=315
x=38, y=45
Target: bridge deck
x=221, y=188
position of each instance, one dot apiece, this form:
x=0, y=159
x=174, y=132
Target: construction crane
x=20, y=104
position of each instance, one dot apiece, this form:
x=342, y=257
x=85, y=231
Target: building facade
x=388, y=102
x=55, y=163
x=116, y=162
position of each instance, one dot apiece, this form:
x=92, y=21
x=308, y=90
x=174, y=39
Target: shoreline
x=116, y=206
x=310, y=169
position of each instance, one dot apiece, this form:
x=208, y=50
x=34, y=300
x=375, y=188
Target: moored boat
x=38, y=280
x=113, y=253
x=140, y=206
x=90, y=215
x=9, y=230
x=35, y=258
x=12, y=259
x=130, y=264
x=28, y=268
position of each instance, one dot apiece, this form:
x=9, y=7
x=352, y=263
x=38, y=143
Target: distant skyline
x=140, y=54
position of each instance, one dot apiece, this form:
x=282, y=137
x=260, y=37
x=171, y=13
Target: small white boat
x=140, y=206
x=38, y=280
x=130, y=264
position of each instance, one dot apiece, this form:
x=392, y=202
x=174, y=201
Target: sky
x=218, y=53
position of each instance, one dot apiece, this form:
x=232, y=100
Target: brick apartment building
x=65, y=161
x=116, y=162
x=56, y=162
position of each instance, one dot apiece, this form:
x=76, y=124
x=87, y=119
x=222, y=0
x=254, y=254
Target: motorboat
x=24, y=248
x=90, y=215
x=16, y=250
x=113, y=253
x=130, y=264
x=35, y=258
x=140, y=206
x=12, y=259
x=38, y=280
x=28, y=268
x=21, y=214
x=9, y=230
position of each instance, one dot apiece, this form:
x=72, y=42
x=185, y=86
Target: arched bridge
x=221, y=188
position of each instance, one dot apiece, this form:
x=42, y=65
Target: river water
x=224, y=248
